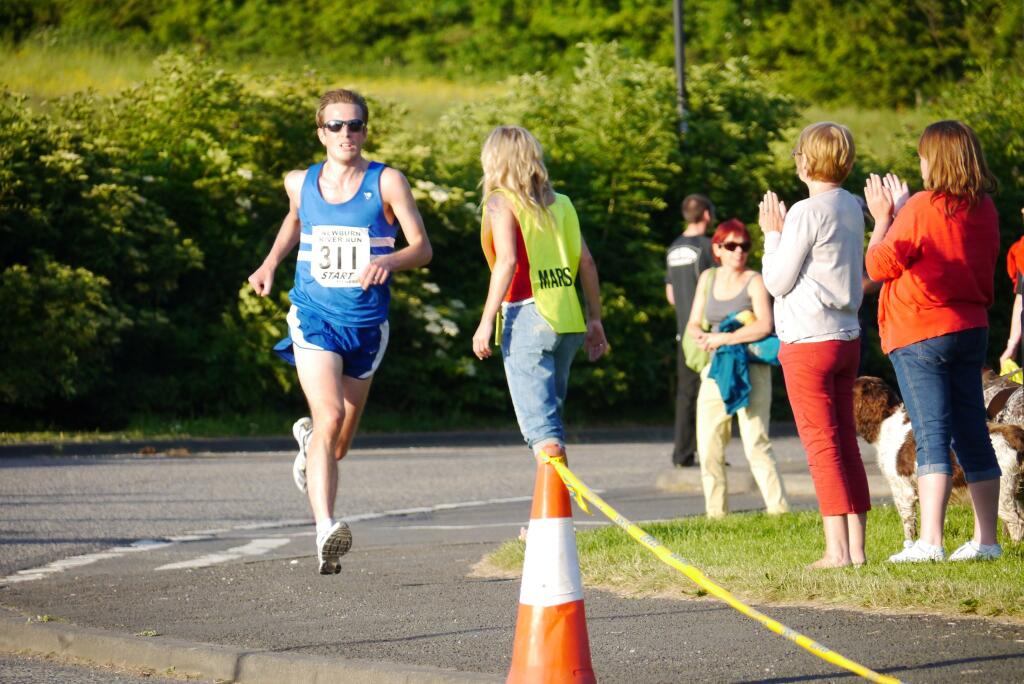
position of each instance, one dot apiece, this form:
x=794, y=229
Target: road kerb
x=211, y=661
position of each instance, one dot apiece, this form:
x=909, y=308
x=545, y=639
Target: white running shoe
x=918, y=552
x=302, y=430
x=331, y=546
x=974, y=551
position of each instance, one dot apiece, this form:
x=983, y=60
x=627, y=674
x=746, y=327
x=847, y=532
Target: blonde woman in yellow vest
x=532, y=241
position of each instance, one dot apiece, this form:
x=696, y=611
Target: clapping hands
x=885, y=195
x=771, y=213
x=897, y=190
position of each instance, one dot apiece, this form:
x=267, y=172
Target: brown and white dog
x=1003, y=397
x=883, y=423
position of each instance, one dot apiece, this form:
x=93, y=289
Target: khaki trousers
x=714, y=429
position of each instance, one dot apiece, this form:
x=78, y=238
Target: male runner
x=344, y=214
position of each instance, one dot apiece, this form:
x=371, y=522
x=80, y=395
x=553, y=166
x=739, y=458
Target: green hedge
x=128, y=226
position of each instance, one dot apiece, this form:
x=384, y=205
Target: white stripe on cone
x=551, y=568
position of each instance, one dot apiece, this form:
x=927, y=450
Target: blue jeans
x=940, y=379
x=537, y=362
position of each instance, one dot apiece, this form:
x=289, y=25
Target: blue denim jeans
x=940, y=380
x=537, y=362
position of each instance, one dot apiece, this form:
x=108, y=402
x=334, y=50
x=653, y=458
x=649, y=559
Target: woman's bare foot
x=826, y=563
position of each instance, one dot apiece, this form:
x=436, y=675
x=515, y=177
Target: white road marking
x=257, y=547
x=206, y=535
x=85, y=559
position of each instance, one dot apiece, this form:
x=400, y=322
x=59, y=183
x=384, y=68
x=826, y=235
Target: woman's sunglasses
x=335, y=125
x=733, y=246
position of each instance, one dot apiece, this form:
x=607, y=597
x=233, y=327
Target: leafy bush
x=61, y=331
x=155, y=201
x=69, y=221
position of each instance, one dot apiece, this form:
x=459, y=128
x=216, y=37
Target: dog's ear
x=873, y=402
x=1013, y=434
x=991, y=381
x=893, y=400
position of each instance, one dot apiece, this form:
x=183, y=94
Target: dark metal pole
x=677, y=18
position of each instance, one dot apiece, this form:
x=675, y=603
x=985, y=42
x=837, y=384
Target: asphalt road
x=226, y=557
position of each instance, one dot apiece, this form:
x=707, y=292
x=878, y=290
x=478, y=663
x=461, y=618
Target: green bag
x=696, y=358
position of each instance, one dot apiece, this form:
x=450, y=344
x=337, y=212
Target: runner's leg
x=356, y=391
x=322, y=383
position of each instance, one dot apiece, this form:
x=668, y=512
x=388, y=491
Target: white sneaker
x=974, y=551
x=302, y=430
x=918, y=552
x=331, y=546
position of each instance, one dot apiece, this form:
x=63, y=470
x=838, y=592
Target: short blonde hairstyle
x=341, y=96
x=956, y=164
x=828, y=151
x=513, y=160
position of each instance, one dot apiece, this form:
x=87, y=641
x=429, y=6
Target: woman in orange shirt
x=937, y=263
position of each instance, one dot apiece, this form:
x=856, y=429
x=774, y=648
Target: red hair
x=727, y=229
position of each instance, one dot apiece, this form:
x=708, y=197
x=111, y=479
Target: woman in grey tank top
x=717, y=309
x=721, y=291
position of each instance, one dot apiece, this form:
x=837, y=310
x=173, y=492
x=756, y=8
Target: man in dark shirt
x=687, y=256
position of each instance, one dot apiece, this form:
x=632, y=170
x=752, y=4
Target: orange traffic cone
x=551, y=643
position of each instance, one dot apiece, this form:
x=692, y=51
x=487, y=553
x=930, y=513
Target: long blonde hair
x=956, y=164
x=513, y=160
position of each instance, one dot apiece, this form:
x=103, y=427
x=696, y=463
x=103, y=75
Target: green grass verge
x=278, y=424
x=156, y=428
x=45, y=72
x=269, y=424
x=761, y=559
x=41, y=71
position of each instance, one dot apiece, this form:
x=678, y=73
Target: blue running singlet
x=336, y=244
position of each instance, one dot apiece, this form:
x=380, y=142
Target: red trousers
x=819, y=381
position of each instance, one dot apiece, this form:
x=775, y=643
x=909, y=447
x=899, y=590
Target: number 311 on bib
x=340, y=253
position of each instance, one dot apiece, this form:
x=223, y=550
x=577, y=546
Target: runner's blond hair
x=513, y=160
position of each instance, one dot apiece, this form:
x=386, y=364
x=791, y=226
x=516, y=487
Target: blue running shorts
x=361, y=349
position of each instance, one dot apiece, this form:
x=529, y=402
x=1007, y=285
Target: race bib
x=340, y=253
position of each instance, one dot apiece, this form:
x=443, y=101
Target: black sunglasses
x=335, y=125
x=733, y=246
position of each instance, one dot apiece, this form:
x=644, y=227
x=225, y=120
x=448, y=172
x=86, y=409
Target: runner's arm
x=262, y=279
x=595, y=342
x=396, y=194
x=501, y=221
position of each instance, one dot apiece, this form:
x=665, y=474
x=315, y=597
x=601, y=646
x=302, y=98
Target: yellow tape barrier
x=580, y=492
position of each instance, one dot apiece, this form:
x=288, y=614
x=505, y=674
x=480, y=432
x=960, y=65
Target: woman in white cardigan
x=813, y=261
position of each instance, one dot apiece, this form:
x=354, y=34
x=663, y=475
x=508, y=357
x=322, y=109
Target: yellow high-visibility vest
x=553, y=249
